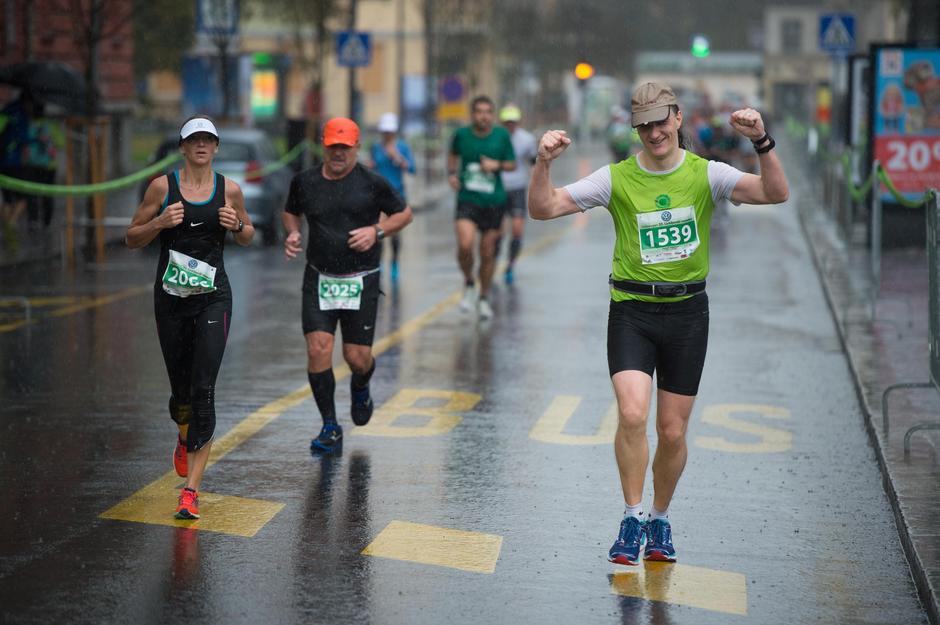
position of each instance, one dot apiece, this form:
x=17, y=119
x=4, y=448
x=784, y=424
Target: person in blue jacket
x=391, y=158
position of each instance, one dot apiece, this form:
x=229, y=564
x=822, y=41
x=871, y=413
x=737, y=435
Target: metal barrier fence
x=933, y=323
x=841, y=199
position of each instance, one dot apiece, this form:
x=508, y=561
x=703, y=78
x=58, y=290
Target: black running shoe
x=329, y=439
x=361, y=410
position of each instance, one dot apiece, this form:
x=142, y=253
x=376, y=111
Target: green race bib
x=338, y=293
x=185, y=276
x=668, y=235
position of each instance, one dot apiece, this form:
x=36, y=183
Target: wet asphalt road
x=484, y=490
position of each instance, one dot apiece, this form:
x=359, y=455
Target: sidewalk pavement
x=34, y=242
x=885, y=337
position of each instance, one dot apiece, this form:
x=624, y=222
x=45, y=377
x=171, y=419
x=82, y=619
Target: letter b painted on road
x=439, y=418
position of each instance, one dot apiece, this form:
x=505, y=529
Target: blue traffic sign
x=452, y=89
x=837, y=33
x=353, y=48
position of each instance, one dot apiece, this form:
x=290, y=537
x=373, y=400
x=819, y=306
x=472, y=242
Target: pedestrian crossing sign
x=353, y=48
x=837, y=33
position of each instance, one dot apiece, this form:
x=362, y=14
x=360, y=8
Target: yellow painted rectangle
x=438, y=546
x=693, y=586
x=156, y=502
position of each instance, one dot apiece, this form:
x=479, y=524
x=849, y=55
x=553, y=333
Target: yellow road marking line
x=15, y=325
x=153, y=503
x=52, y=300
x=76, y=304
x=681, y=584
x=439, y=419
x=438, y=546
x=551, y=425
x=103, y=300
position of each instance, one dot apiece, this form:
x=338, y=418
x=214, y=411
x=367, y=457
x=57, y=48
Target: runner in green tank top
x=661, y=201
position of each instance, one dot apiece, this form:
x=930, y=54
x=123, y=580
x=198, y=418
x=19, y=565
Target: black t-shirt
x=335, y=207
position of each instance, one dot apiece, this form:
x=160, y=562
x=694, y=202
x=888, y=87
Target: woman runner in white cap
x=192, y=210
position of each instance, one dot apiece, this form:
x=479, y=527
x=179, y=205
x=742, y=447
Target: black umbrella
x=49, y=81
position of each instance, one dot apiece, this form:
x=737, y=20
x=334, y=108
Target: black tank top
x=200, y=235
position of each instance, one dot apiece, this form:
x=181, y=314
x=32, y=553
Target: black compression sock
x=514, y=248
x=361, y=380
x=323, y=385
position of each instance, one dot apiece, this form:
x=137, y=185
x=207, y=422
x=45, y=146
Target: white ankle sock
x=659, y=514
x=634, y=511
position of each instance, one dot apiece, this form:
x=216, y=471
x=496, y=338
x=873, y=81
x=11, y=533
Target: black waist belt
x=658, y=289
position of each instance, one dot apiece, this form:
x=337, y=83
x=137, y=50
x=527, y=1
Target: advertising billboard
x=905, y=112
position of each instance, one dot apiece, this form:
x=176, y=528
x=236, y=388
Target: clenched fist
x=748, y=122
x=552, y=144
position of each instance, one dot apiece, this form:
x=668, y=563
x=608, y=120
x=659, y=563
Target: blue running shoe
x=659, y=541
x=329, y=439
x=393, y=274
x=510, y=276
x=626, y=549
x=361, y=409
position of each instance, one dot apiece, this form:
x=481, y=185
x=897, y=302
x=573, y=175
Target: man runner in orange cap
x=342, y=202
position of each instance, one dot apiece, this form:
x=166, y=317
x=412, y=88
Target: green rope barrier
x=36, y=188
x=858, y=193
x=903, y=201
x=56, y=190
x=280, y=163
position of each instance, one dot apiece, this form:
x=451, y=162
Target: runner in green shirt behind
x=478, y=153
x=661, y=201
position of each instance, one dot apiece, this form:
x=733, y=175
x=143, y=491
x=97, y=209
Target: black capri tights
x=192, y=350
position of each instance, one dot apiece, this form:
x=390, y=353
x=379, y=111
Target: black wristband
x=767, y=148
x=452, y=173
x=757, y=142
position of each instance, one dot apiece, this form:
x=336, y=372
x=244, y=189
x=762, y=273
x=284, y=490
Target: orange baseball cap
x=342, y=131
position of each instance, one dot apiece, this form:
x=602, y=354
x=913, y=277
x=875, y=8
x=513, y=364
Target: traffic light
x=583, y=71
x=700, y=46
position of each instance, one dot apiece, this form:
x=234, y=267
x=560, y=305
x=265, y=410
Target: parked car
x=243, y=151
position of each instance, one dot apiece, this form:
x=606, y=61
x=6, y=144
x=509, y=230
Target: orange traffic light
x=583, y=71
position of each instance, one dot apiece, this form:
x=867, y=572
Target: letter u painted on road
x=771, y=440
x=550, y=426
x=440, y=418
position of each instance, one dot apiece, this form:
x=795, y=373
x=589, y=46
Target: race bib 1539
x=667, y=235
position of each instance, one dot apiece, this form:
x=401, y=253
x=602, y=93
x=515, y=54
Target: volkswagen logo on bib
x=665, y=215
x=192, y=263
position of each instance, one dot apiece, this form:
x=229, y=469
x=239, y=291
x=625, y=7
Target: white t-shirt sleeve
x=594, y=190
x=722, y=178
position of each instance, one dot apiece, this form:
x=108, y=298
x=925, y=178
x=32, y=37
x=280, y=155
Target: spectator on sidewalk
x=14, y=136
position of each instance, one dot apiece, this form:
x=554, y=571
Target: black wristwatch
x=379, y=234
x=241, y=226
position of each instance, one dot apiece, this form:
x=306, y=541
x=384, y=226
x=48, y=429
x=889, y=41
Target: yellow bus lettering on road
x=439, y=419
x=551, y=425
x=770, y=440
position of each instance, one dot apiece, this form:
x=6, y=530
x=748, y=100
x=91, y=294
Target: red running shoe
x=179, y=458
x=188, y=507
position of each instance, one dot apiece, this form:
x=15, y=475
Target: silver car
x=242, y=153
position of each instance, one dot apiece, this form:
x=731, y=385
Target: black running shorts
x=516, y=203
x=358, y=325
x=670, y=338
x=485, y=217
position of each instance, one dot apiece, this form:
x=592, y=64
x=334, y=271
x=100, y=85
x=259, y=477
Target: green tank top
x=662, y=222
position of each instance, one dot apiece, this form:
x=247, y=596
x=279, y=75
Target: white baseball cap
x=388, y=122
x=198, y=124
